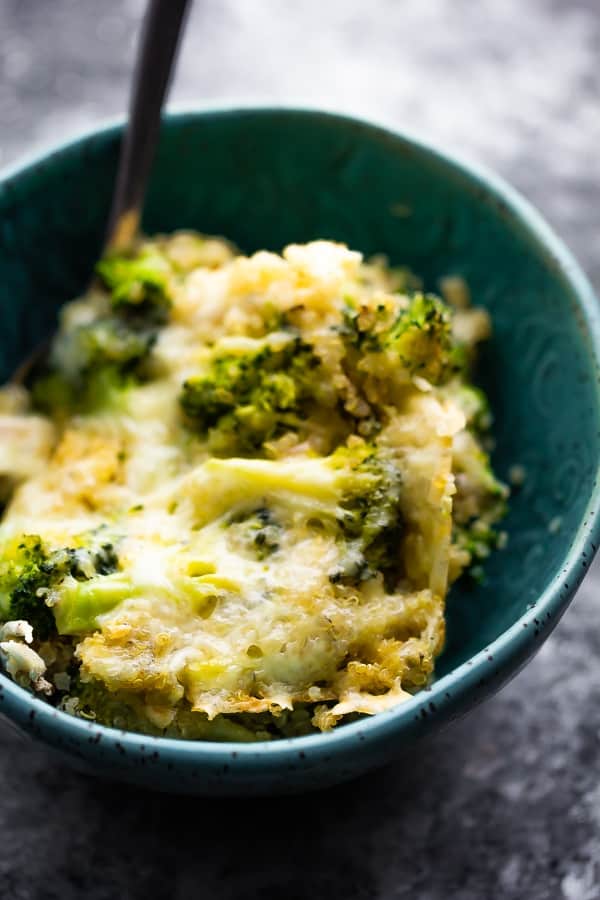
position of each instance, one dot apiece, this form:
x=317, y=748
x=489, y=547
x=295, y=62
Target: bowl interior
x=268, y=178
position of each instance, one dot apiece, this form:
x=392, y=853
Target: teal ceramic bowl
x=267, y=177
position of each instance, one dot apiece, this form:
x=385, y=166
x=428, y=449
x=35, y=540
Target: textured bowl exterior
x=267, y=177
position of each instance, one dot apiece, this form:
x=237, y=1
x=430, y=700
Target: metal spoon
x=157, y=53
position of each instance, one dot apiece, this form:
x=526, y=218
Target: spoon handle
x=159, y=39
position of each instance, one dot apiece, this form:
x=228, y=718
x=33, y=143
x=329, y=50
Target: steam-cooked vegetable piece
x=29, y=571
x=370, y=519
x=247, y=399
x=417, y=336
x=139, y=284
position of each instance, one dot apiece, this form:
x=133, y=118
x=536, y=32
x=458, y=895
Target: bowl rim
x=493, y=661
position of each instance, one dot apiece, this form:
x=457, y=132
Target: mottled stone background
x=505, y=804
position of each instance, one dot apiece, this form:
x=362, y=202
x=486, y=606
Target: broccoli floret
x=420, y=337
x=25, y=570
x=138, y=284
x=126, y=711
x=370, y=522
x=91, y=361
x=105, y=559
x=258, y=530
x=103, y=343
x=80, y=604
x=248, y=399
x=479, y=539
x=28, y=571
x=92, y=700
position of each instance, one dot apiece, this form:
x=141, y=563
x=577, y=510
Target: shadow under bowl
x=268, y=177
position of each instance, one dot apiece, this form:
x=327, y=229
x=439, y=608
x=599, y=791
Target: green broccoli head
x=93, y=361
x=138, y=284
x=246, y=400
x=104, y=343
x=478, y=538
x=79, y=603
x=28, y=570
x=25, y=571
x=370, y=521
x=92, y=700
x=90, y=362
x=420, y=337
x=257, y=531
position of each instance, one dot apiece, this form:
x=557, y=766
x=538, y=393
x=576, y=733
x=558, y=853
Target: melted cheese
x=206, y=620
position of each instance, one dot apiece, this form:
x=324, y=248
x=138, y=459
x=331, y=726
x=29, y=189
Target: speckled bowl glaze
x=264, y=178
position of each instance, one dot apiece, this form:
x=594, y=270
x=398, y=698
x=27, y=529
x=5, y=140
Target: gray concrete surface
x=505, y=804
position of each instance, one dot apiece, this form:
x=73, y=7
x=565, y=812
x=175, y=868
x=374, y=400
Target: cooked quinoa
x=239, y=492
